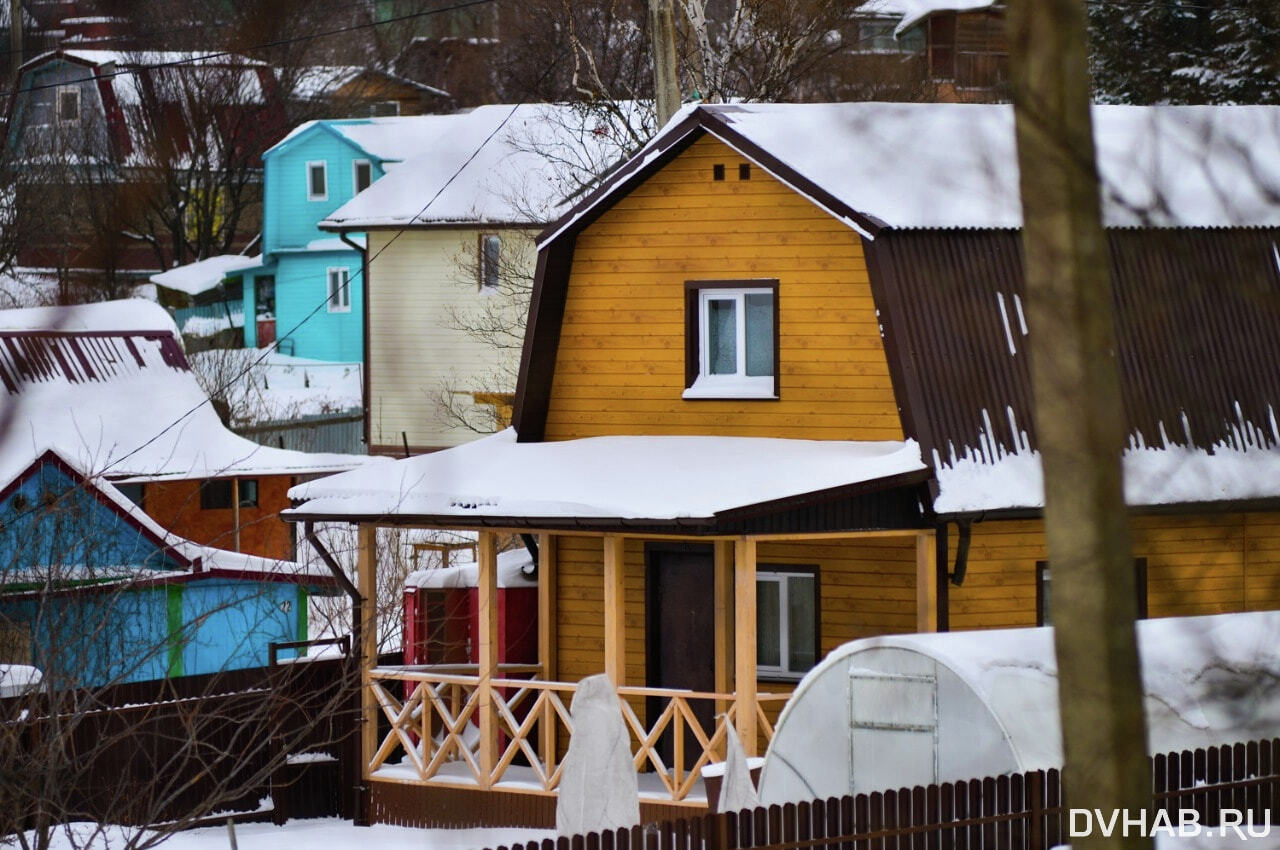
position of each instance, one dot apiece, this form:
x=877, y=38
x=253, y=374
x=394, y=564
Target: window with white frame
x=68, y=104
x=339, y=290
x=317, y=181
x=490, y=262
x=731, y=339
x=361, y=175
x=786, y=623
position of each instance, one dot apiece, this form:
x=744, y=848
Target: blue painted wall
x=289, y=224
x=60, y=538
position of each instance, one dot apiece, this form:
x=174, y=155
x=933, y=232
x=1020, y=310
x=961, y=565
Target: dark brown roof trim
x=430, y=225
x=844, y=491
x=1227, y=506
x=542, y=340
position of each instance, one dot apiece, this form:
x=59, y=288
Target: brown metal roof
x=77, y=356
x=1198, y=327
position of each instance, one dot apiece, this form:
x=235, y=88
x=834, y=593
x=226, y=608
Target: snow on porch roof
x=628, y=477
x=203, y=275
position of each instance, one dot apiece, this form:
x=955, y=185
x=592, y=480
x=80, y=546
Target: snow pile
x=617, y=477
x=18, y=679
x=498, y=164
x=210, y=325
x=266, y=386
x=203, y=275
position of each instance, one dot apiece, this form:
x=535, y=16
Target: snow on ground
x=280, y=386
x=328, y=833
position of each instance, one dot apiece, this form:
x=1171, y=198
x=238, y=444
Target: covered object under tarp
x=907, y=710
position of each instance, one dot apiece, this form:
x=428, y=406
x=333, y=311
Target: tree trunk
x=1079, y=420
x=665, y=83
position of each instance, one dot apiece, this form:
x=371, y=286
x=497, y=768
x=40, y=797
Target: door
x=680, y=631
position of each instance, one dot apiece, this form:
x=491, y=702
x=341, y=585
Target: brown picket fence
x=1017, y=812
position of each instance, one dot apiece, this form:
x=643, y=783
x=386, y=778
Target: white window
x=490, y=262
x=786, y=623
x=317, y=181
x=68, y=104
x=339, y=290
x=732, y=349
x=361, y=175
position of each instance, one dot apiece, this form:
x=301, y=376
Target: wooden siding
x=414, y=349
x=1207, y=564
x=176, y=506
x=289, y=218
x=620, y=366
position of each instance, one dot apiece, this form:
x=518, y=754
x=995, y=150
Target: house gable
x=620, y=361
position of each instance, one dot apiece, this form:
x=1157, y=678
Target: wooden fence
x=178, y=750
x=1019, y=812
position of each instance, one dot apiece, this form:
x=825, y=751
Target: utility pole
x=1079, y=419
x=15, y=39
x=666, y=86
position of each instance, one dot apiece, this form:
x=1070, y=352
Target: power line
x=454, y=176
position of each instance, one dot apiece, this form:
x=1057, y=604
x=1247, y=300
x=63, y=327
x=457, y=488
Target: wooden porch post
x=367, y=651
x=487, y=602
x=547, y=605
x=615, y=624
x=724, y=650
x=235, y=510
x=744, y=601
x=926, y=581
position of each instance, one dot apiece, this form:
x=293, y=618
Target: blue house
x=94, y=592
x=310, y=281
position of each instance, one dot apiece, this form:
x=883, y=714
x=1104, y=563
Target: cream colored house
x=450, y=263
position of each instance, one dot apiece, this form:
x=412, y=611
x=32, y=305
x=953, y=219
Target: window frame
x=355, y=175
x=323, y=165
x=1044, y=581
x=57, y=104
x=701, y=386
x=782, y=573
x=214, y=487
x=483, y=270
x=338, y=299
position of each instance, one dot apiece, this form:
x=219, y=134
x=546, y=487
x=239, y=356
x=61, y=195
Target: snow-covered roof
x=945, y=165
x=650, y=478
x=393, y=137
x=911, y=12
x=496, y=164
x=319, y=81
x=513, y=571
x=107, y=387
x=203, y=275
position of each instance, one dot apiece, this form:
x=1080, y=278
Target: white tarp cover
x=598, y=787
x=1208, y=681
x=608, y=477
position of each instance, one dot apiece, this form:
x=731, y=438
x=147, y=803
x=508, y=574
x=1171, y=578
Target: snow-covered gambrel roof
x=108, y=388
x=498, y=164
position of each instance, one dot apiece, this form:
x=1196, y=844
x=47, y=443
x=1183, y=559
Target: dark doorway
x=679, y=594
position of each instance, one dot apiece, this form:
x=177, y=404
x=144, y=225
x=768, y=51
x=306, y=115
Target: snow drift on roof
x=942, y=165
x=538, y=157
x=657, y=478
x=913, y=11
x=112, y=394
x=203, y=275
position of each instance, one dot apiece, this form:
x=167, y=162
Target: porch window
x=786, y=624
x=731, y=340
x=339, y=290
x=1044, y=590
x=317, y=181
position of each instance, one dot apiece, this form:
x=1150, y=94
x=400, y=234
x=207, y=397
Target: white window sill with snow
x=731, y=387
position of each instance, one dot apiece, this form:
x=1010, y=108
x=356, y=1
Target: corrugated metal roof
x=1198, y=332
x=28, y=357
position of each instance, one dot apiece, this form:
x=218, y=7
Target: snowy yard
x=326, y=833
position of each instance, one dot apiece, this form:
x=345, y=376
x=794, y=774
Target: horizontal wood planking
x=620, y=364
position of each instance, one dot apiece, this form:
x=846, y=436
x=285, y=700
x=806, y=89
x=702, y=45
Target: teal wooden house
x=309, y=281
x=94, y=592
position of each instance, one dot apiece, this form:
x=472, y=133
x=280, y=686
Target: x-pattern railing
x=437, y=724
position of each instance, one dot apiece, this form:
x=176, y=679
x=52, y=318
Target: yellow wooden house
x=774, y=397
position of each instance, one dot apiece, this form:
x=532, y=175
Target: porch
x=491, y=736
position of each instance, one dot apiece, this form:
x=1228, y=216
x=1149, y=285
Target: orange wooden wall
x=176, y=506
x=620, y=365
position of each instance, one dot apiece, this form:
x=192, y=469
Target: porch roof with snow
x=203, y=275
x=107, y=387
x=694, y=484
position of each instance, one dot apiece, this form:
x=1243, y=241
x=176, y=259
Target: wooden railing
x=434, y=730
